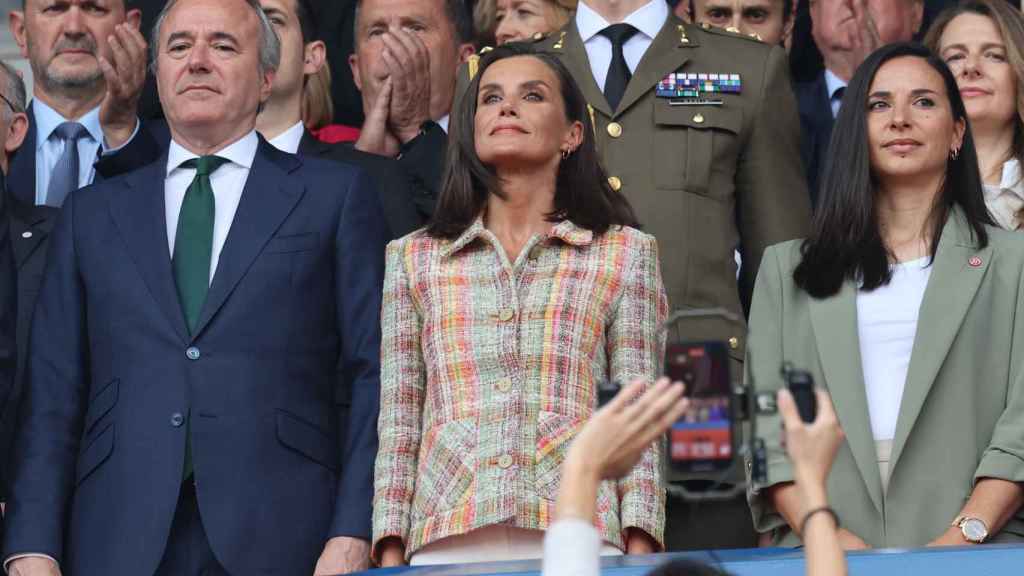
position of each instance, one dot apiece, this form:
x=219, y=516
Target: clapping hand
x=125, y=76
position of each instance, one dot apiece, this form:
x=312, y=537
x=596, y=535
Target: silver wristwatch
x=973, y=529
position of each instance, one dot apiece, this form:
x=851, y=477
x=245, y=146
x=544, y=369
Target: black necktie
x=618, y=72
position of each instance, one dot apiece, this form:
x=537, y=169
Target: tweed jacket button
x=506, y=314
x=615, y=183
x=505, y=461
x=615, y=129
x=504, y=385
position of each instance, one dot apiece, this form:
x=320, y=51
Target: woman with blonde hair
x=982, y=41
x=508, y=20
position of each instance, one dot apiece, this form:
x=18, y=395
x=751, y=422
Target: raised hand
x=408, y=61
x=125, y=76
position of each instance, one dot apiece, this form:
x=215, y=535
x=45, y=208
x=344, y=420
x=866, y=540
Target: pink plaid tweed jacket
x=489, y=367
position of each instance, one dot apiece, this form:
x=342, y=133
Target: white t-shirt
x=886, y=326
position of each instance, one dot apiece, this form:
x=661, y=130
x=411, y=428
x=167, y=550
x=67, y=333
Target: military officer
x=698, y=127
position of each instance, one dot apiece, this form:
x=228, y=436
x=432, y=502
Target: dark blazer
x=388, y=176
x=815, y=129
x=423, y=161
x=30, y=227
x=8, y=313
x=288, y=337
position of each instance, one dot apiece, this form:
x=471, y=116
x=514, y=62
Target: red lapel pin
x=974, y=261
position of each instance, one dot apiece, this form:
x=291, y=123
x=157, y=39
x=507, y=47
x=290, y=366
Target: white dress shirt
x=833, y=84
x=648, y=19
x=227, y=182
x=1006, y=200
x=288, y=141
x=572, y=547
x=49, y=150
x=886, y=327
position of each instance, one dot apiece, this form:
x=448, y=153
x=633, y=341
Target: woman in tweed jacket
x=499, y=319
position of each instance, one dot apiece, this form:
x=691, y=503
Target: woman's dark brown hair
x=582, y=193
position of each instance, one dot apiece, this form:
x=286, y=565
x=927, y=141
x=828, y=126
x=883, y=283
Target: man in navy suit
x=846, y=32
x=202, y=323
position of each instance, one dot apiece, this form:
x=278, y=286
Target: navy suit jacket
x=30, y=227
x=288, y=338
x=815, y=129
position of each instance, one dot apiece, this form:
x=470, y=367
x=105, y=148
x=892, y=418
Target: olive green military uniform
x=704, y=179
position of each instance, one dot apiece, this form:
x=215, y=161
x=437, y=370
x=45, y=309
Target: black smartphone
x=702, y=439
x=801, y=386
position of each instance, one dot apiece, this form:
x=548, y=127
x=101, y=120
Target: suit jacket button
x=192, y=353
x=26, y=234
x=177, y=419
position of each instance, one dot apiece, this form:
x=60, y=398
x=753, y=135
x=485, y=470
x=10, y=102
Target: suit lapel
x=666, y=54
x=138, y=210
x=267, y=199
x=579, y=65
x=956, y=274
x=30, y=226
x=835, y=329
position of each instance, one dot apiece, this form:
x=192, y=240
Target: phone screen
x=701, y=439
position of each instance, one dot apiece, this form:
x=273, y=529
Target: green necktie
x=193, y=243
x=193, y=248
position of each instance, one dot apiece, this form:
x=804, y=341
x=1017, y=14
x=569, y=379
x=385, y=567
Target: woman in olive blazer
x=958, y=446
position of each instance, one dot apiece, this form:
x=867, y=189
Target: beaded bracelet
x=826, y=509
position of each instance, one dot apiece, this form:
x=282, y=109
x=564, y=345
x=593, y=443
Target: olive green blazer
x=962, y=413
x=705, y=180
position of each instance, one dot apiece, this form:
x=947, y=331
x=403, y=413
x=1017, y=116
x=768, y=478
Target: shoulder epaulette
x=731, y=32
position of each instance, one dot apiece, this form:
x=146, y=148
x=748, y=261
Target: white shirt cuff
x=572, y=547
x=7, y=562
x=104, y=151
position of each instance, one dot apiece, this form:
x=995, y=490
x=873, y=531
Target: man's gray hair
x=14, y=87
x=270, y=44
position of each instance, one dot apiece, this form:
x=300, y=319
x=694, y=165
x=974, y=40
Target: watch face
x=974, y=530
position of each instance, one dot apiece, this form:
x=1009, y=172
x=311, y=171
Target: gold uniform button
x=538, y=36
x=504, y=385
x=734, y=342
x=615, y=129
x=506, y=314
x=733, y=29
x=505, y=462
x=615, y=183
x=698, y=119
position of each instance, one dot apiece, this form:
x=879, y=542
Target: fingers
x=383, y=102
x=655, y=411
x=787, y=409
x=626, y=396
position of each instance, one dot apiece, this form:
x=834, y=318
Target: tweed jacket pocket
x=446, y=468
x=554, y=432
